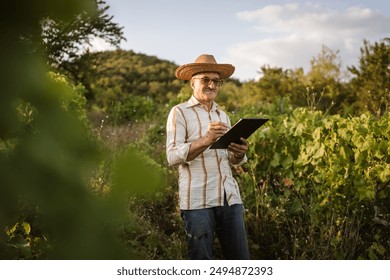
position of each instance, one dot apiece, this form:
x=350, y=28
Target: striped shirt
x=204, y=180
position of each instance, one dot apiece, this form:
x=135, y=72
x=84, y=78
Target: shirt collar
x=192, y=102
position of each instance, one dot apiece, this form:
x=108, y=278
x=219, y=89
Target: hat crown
x=204, y=63
x=206, y=58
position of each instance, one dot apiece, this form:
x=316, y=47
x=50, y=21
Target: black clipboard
x=243, y=128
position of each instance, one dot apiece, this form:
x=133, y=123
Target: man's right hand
x=215, y=130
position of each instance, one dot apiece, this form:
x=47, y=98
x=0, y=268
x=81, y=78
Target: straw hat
x=204, y=63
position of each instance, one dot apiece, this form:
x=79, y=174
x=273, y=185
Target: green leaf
x=288, y=161
x=275, y=160
x=384, y=173
x=136, y=174
x=320, y=152
x=12, y=230
x=26, y=227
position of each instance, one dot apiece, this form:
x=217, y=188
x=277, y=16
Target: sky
x=249, y=33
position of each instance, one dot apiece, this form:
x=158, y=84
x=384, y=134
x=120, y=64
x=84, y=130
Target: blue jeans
x=228, y=224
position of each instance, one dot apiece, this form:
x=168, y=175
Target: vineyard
x=83, y=173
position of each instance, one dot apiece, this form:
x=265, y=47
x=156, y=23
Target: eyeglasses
x=207, y=81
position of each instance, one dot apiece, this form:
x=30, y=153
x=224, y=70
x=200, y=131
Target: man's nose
x=212, y=84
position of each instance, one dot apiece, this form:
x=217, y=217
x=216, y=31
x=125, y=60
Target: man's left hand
x=239, y=150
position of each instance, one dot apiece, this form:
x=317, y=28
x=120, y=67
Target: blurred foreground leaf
x=47, y=153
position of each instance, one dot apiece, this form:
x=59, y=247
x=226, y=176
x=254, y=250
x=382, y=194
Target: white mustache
x=208, y=90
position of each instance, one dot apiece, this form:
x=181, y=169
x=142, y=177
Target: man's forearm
x=214, y=131
x=197, y=147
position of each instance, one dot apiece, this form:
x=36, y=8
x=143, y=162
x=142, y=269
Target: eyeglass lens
x=206, y=81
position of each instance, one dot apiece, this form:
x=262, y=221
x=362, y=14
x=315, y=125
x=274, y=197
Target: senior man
x=210, y=201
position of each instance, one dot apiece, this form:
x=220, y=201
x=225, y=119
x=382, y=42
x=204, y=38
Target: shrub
x=317, y=187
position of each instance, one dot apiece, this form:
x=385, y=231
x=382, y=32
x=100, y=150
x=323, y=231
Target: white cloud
x=290, y=35
x=99, y=44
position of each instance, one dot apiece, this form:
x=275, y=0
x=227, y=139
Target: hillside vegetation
x=84, y=174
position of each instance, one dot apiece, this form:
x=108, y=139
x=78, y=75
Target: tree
x=64, y=39
x=324, y=80
x=371, y=83
x=276, y=84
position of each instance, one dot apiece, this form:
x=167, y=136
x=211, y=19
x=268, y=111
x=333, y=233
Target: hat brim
x=186, y=71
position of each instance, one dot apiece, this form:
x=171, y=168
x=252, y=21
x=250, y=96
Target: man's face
x=205, y=86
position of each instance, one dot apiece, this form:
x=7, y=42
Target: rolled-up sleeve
x=177, y=147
